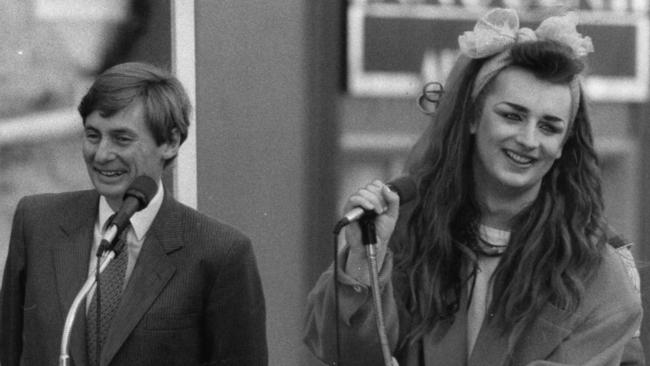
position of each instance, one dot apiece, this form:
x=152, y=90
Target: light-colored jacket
x=608, y=317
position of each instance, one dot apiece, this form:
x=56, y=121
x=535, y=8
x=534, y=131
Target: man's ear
x=170, y=148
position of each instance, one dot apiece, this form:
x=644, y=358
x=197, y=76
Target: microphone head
x=143, y=188
x=405, y=188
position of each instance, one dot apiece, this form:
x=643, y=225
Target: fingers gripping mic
x=404, y=187
x=136, y=197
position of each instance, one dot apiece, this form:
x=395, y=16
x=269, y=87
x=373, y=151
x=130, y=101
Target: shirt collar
x=140, y=221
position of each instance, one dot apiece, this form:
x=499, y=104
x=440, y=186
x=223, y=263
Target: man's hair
x=165, y=104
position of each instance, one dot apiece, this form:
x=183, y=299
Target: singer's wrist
x=356, y=266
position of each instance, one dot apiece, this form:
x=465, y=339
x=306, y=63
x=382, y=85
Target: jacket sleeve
x=633, y=352
x=599, y=342
x=12, y=295
x=236, y=316
x=359, y=341
x=609, y=335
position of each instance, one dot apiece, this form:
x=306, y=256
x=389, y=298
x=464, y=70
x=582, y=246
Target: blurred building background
x=294, y=110
x=51, y=50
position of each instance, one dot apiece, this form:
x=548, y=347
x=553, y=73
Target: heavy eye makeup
x=549, y=124
x=551, y=127
x=510, y=112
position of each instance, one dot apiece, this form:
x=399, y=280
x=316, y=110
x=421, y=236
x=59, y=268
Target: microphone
x=136, y=197
x=404, y=187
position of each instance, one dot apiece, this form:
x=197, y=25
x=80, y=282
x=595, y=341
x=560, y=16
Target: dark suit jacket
x=194, y=296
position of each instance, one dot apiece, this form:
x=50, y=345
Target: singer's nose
x=527, y=135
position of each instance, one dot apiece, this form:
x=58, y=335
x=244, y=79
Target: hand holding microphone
x=384, y=201
x=376, y=206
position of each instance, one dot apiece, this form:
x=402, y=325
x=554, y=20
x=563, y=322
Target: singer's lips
x=519, y=158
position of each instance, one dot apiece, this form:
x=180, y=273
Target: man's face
x=120, y=148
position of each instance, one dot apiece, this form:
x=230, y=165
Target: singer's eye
x=511, y=116
x=551, y=128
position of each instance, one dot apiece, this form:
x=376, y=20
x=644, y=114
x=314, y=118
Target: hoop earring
x=430, y=97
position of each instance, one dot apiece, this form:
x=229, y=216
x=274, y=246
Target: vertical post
x=184, y=67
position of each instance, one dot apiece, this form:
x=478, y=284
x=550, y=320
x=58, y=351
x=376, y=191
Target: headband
x=498, y=31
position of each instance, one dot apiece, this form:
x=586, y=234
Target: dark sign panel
x=393, y=48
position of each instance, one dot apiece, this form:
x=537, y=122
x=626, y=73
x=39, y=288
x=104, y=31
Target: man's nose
x=105, y=151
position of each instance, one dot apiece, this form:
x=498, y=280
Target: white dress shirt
x=136, y=234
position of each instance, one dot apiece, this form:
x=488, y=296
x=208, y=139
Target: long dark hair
x=555, y=242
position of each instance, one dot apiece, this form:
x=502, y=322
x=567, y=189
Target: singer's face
x=520, y=132
x=120, y=148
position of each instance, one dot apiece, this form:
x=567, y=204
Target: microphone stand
x=369, y=239
x=88, y=286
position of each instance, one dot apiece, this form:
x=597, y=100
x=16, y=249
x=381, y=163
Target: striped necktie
x=111, y=285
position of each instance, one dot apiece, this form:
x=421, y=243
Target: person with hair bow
x=504, y=257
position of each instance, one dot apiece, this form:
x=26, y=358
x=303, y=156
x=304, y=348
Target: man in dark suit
x=191, y=292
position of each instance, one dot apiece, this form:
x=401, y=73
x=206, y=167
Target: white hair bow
x=498, y=30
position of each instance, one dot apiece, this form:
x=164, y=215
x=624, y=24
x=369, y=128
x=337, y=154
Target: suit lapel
x=152, y=272
x=71, y=254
